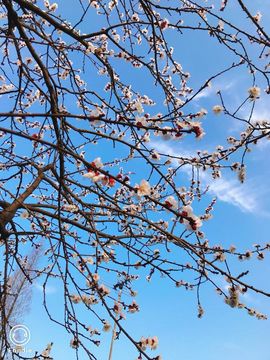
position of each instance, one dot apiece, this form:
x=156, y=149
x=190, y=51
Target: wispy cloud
x=213, y=89
x=49, y=288
x=243, y=196
x=260, y=113
x=231, y=192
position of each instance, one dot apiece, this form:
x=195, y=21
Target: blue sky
x=241, y=217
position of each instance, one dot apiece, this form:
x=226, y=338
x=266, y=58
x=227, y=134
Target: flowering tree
x=87, y=104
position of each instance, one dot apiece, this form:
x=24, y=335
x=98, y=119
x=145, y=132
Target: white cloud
x=209, y=91
x=234, y=193
x=49, y=288
x=231, y=191
x=260, y=113
x=213, y=89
